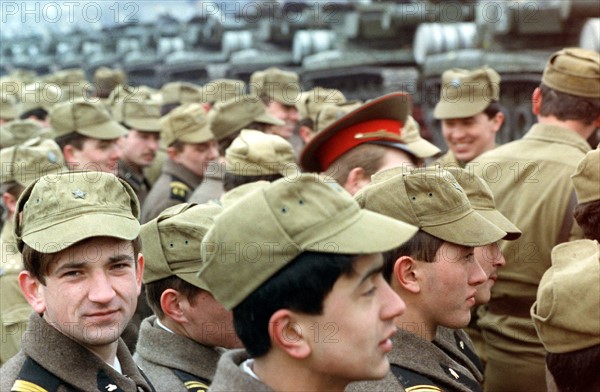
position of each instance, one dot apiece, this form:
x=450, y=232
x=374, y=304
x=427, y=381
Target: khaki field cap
x=19, y=131
x=410, y=140
x=10, y=107
x=59, y=210
x=586, y=178
x=171, y=242
x=379, y=120
x=24, y=163
x=295, y=216
x=333, y=112
x=87, y=118
x=431, y=199
x=254, y=153
x=567, y=309
x=311, y=102
x=106, y=79
x=281, y=86
x=229, y=117
x=187, y=123
x=231, y=197
x=141, y=115
x=574, y=71
x=221, y=90
x=41, y=95
x=465, y=93
x=482, y=200
x=181, y=92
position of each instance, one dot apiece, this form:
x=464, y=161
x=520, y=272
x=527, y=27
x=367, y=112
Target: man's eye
x=370, y=292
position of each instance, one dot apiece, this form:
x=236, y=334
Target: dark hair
x=575, y=371
x=568, y=107
x=422, y=246
x=367, y=156
x=226, y=141
x=231, y=181
x=72, y=138
x=587, y=216
x=492, y=109
x=168, y=107
x=301, y=286
x=40, y=113
x=38, y=264
x=155, y=289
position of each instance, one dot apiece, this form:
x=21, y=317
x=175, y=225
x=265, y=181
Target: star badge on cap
x=79, y=194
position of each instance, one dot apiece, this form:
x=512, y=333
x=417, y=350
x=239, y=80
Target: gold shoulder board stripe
x=26, y=386
x=195, y=385
x=423, y=388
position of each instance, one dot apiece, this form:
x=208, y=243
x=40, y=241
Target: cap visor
x=200, y=136
x=496, y=217
x=470, y=230
x=144, y=124
x=458, y=109
x=105, y=131
x=268, y=119
x=423, y=149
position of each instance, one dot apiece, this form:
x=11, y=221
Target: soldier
x=308, y=298
x=310, y=104
x=469, y=110
x=434, y=273
x=78, y=234
x=530, y=182
x=179, y=345
x=191, y=148
x=364, y=141
x=21, y=165
x=87, y=135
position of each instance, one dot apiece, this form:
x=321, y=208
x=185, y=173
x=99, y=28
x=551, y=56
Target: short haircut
x=575, y=371
x=231, y=180
x=38, y=264
x=178, y=145
x=72, y=138
x=167, y=108
x=155, y=289
x=492, y=109
x=565, y=106
x=39, y=113
x=587, y=216
x=301, y=286
x=422, y=246
x=367, y=156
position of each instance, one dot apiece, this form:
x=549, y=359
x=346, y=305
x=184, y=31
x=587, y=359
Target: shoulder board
x=191, y=382
x=179, y=191
x=412, y=381
x=105, y=383
x=34, y=378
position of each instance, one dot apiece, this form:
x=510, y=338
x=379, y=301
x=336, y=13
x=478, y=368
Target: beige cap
x=311, y=102
x=431, y=199
x=567, y=309
x=125, y=94
x=10, y=107
x=465, y=93
x=27, y=162
x=482, y=200
x=221, y=90
x=181, y=92
x=330, y=113
x=586, y=178
x=254, y=153
x=61, y=209
x=187, y=123
x=141, y=115
x=171, y=242
x=232, y=196
x=231, y=116
x=40, y=95
x=409, y=140
x=107, y=79
x=304, y=214
x=87, y=118
x=19, y=131
x=72, y=82
x=281, y=86
x=574, y=71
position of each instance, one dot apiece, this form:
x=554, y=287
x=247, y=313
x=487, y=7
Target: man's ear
x=498, y=121
x=305, y=133
x=406, y=275
x=172, y=154
x=287, y=334
x=536, y=101
x=171, y=306
x=33, y=291
x=356, y=180
x=10, y=202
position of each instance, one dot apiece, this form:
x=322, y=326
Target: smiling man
x=309, y=301
x=78, y=234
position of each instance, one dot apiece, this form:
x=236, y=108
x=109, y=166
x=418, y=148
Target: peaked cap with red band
x=378, y=120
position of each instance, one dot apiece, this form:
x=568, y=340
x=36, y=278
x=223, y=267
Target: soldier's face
x=490, y=258
x=197, y=156
x=286, y=113
x=91, y=291
x=96, y=155
x=471, y=136
x=139, y=148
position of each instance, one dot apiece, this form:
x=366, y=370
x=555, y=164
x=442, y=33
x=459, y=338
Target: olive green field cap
x=187, y=123
x=181, y=92
x=574, y=71
x=171, y=242
x=124, y=93
x=567, y=309
x=254, y=153
x=431, y=199
x=229, y=117
x=279, y=85
x=331, y=113
x=106, y=79
x=61, y=209
x=24, y=163
x=221, y=90
x=311, y=102
x=142, y=116
x=465, y=93
x=295, y=216
x=482, y=200
x=87, y=118
x=10, y=107
x=586, y=178
x=19, y=131
x=41, y=95
x=410, y=141
x=72, y=82
x=232, y=196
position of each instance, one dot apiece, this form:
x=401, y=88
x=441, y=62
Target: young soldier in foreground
x=78, y=234
x=308, y=298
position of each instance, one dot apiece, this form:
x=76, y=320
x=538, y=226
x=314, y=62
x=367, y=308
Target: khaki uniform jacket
x=174, y=186
x=73, y=367
x=422, y=366
x=230, y=377
x=448, y=160
x=530, y=179
x=458, y=345
x=141, y=186
x=159, y=351
x=211, y=187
